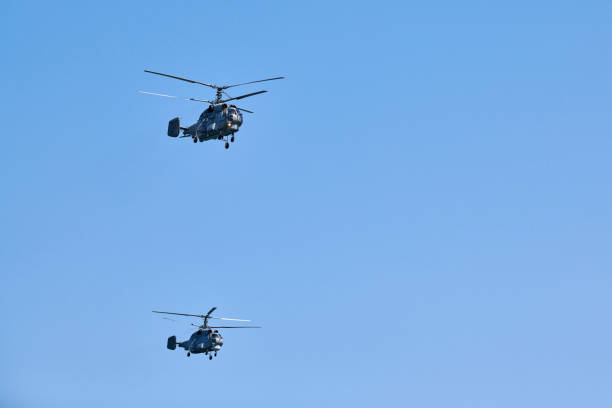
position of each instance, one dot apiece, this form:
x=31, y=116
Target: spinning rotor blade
x=227, y=318
x=182, y=79
x=253, y=82
x=202, y=316
x=234, y=327
x=240, y=109
x=172, y=96
x=225, y=327
x=243, y=96
x=180, y=314
x=199, y=100
x=158, y=94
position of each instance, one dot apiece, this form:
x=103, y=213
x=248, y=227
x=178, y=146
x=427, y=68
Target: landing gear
x=195, y=140
x=226, y=145
x=188, y=354
x=220, y=137
x=215, y=354
x=232, y=139
x=210, y=357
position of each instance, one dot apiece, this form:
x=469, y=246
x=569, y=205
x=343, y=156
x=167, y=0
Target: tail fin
x=171, y=343
x=174, y=127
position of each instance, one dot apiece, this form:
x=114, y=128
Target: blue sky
x=419, y=215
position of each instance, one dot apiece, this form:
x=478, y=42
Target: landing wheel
x=195, y=140
x=232, y=139
x=220, y=137
x=210, y=357
x=188, y=354
x=215, y=354
x=226, y=145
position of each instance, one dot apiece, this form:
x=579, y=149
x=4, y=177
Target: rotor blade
x=243, y=96
x=198, y=100
x=253, y=82
x=172, y=96
x=202, y=316
x=227, y=318
x=234, y=327
x=224, y=327
x=182, y=79
x=158, y=94
x=180, y=314
x=182, y=322
x=211, y=310
x=244, y=110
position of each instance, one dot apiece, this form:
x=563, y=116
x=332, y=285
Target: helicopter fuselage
x=203, y=341
x=216, y=122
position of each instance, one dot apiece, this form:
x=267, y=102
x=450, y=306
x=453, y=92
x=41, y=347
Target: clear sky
x=419, y=215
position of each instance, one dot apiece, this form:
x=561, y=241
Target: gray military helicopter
x=219, y=120
x=207, y=339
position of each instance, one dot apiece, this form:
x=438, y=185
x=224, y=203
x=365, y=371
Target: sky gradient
x=419, y=215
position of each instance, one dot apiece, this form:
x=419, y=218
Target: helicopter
x=206, y=339
x=219, y=120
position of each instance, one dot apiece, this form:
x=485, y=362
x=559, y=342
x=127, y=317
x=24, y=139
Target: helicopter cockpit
x=213, y=334
x=230, y=110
